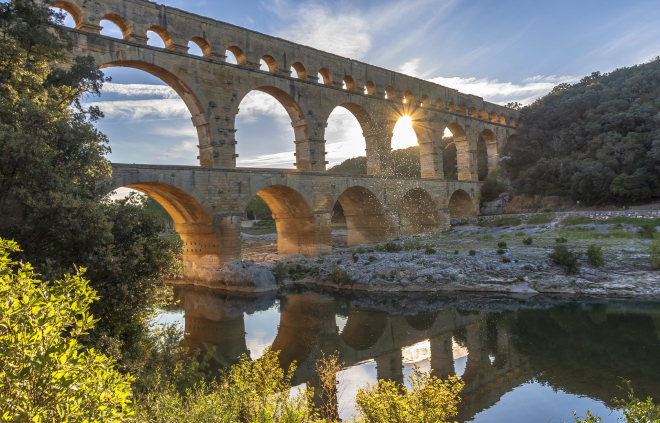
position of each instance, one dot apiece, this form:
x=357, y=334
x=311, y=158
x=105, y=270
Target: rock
x=237, y=276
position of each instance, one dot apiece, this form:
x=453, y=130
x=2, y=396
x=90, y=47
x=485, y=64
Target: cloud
x=143, y=109
x=278, y=160
x=411, y=67
x=140, y=90
x=503, y=92
x=257, y=104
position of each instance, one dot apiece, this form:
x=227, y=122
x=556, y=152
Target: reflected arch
x=364, y=328
x=461, y=204
x=418, y=213
x=294, y=222
x=187, y=95
x=366, y=221
x=201, y=247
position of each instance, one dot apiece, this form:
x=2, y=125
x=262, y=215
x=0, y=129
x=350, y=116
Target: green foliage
x=449, y=159
x=158, y=214
x=528, y=240
x=389, y=247
x=597, y=140
x=280, y=271
x=340, y=276
x=492, y=187
x=412, y=244
x=352, y=166
x=647, y=231
x=654, y=254
x=634, y=409
x=501, y=244
x=576, y=220
x=250, y=391
x=501, y=251
x=429, y=399
x=566, y=258
x=595, y=255
x=541, y=219
x=429, y=250
x=506, y=260
x=45, y=374
x=355, y=257
x=621, y=220
x=561, y=240
x=472, y=252
x=258, y=209
x=455, y=251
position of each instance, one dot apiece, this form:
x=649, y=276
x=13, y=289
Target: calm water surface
x=523, y=359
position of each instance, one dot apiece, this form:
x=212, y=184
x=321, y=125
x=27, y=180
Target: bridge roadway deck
x=207, y=206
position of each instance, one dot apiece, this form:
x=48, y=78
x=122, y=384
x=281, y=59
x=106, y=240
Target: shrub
x=500, y=251
x=412, y=244
x=472, y=253
x=520, y=233
x=527, y=241
x=45, y=374
x=340, y=276
x=280, y=271
x=389, y=247
x=371, y=259
x=429, y=399
x=455, y=251
x=595, y=255
x=506, y=260
x=654, y=254
x=541, y=219
x=360, y=250
x=647, y=231
x=429, y=250
x=501, y=244
x=566, y=258
x=561, y=240
x=355, y=257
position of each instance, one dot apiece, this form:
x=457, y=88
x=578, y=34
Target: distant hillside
x=597, y=141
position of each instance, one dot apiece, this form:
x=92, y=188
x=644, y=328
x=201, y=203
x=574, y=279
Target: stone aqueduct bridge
x=207, y=202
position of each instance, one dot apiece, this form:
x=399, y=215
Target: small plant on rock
x=500, y=251
x=595, y=255
x=561, y=240
x=528, y=240
x=654, y=254
x=566, y=258
x=280, y=271
x=340, y=276
x=355, y=258
x=429, y=250
x=501, y=244
x=472, y=253
x=647, y=231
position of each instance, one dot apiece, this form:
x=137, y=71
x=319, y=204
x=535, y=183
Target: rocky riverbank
x=507, y=257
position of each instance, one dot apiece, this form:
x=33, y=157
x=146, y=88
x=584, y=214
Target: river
x=522, y=358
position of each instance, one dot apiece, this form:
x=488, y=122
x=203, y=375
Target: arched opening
x=198, y=46
x=487, y=153
x=201, y=247
x=366, y=221
x=298, y=71
x=502, y=119
x=439, y=104
x=364, y=327
x=258, y=231
x=325, y=76
x=235, y=56
x=449, y=163
x=463, y=110
x=349, y=83
x=294, y=223
x=390, y=94
x=268, y=63
x=422, y=321
x=452, y=107
x=494, y=118
x=157, y=36
x=68, y=14
x=464, y=165
x=113, y=25
x=264, y=132
x=344, y=133
x=403, y=135
x=426, y=102
x=460, y=204
x=408, y=97
x=512, y=122
x=484, y=115
x=418, y=213
x=147, y=116
x=474, y=113
x=370, y=88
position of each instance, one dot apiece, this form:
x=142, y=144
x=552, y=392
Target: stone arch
x=201, y=247
x=426, y=101
x=494, y=118
x=121, y=23
x=484, y=115
x=502, y=119
x=390, y=93
x=326, y=76
x=365, y=122
x=409, y=97
x=370, y=88
x=490, y=140
x=203, y=45
x=186, y=94
x=72, y=10
x=301, y=72
x=461, y=204
x=366, y=221
x=349, y=83
x=512, y=122
x=293, y=217
x=474, y=113
x=418, y=213
x=464, y=160
x=463, y=110
x=239, y=54
x=422, y=321
x=164, y=35
x=451, y=107
x=439, y=104
x=364, y=327
x=271, y=63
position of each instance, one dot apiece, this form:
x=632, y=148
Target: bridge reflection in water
x=542, y=350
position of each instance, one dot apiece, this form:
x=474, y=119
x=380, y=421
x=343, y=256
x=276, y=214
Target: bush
x=501, y=244
x=429, y=250
x=506, y=260
x=280, y=271
x=429, y=399
x=595, y=255
x=412, y=244
x=541, y=219
x=527, y=241
x=355, y=257
x=45, y=374
x=654, y=254
x=340, y=276
x=561, y=240
x=472, y=253
x=455, y=251
x=389, y=247
x=566, y=258
x=501, y=251
x=647, y=231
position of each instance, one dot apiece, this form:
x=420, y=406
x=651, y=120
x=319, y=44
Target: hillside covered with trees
x=597, y=141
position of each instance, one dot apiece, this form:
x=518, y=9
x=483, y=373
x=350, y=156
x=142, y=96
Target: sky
x=507, y=50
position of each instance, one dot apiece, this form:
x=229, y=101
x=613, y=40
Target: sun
x=403, y=135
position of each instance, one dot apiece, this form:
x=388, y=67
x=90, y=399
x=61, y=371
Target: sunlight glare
x=447, y=133
x=403, y=135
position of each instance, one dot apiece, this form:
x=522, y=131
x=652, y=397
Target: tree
x=45, y=373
